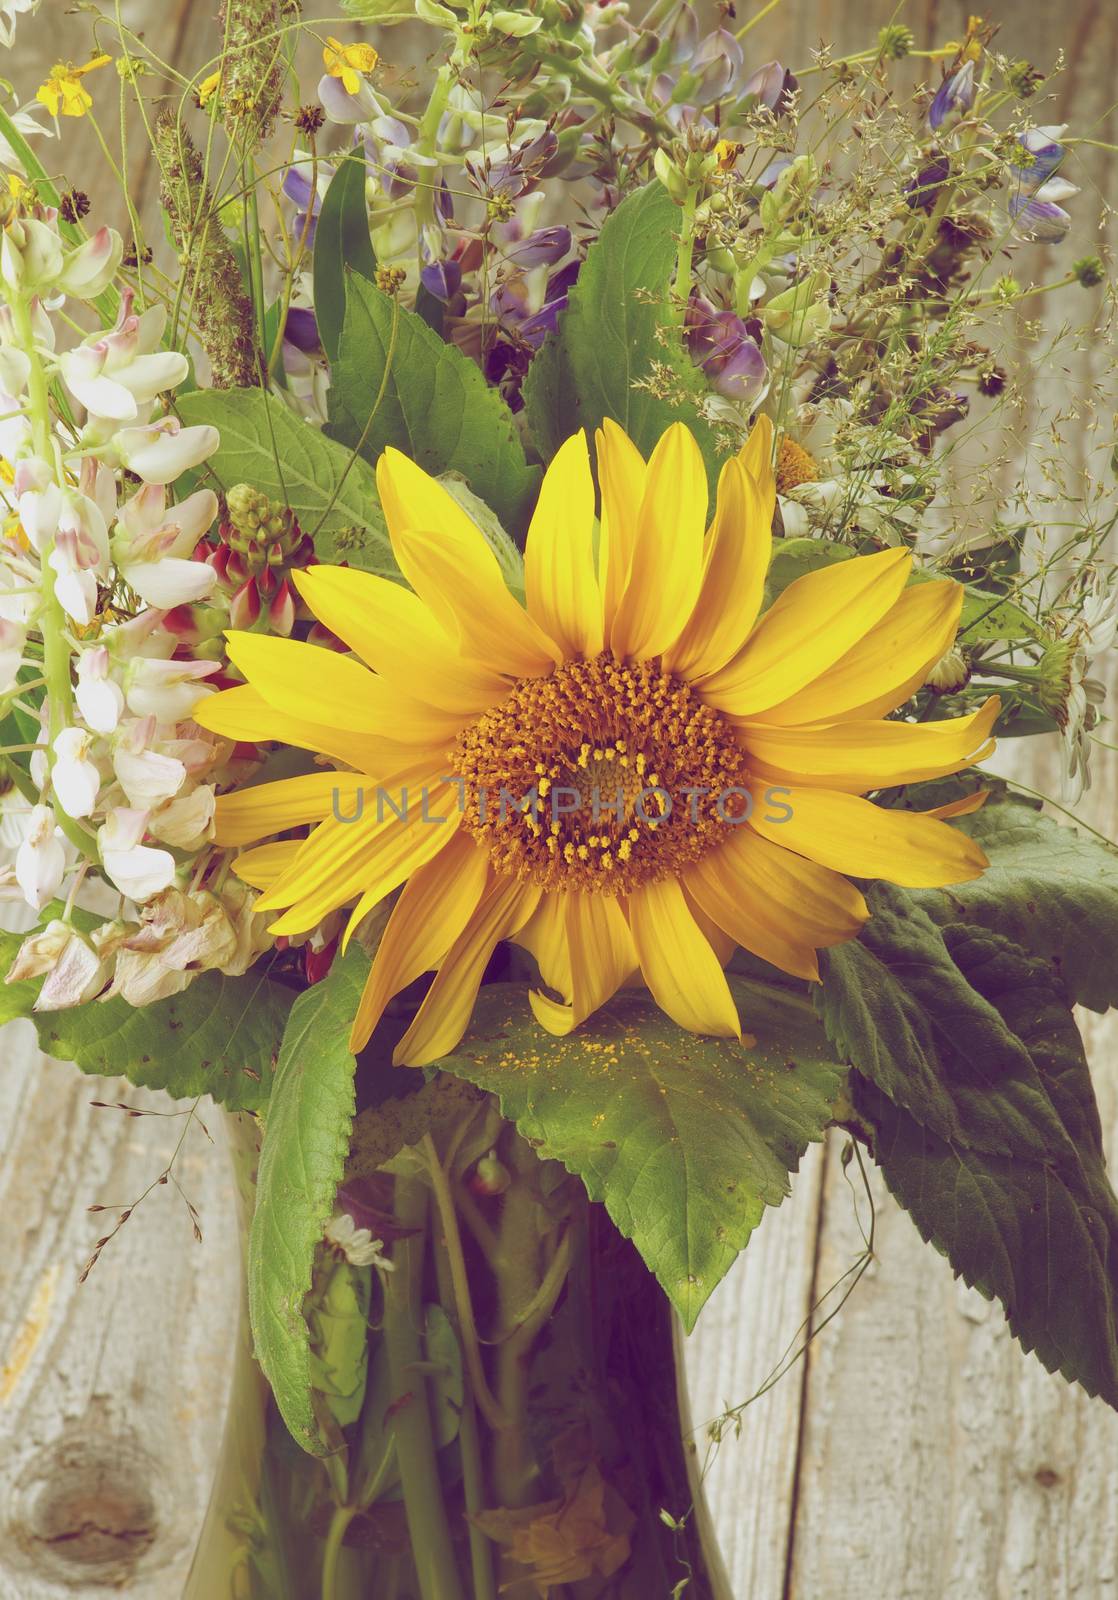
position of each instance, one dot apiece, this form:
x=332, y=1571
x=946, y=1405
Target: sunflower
x=628, y=772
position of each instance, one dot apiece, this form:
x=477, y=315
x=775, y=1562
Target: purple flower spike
x=443, y=279
x=301, y=329
x=543, y=248
x=721, y=344
x=773, y=86
x=718, y=61
x=955, y=96
x=1046, y=151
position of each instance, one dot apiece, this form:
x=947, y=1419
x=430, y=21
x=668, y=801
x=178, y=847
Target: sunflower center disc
x=600, y=777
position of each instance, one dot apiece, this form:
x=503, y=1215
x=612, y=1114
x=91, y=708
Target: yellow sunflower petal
x=963, y=807
x=242, y=713
x=733, y=903
x=451, y=567
x=370, y=856
x=443, y=1017
x=867, y=841
x=678, y=964
x=560, y=580
x=886, y=666
x=756, y=456
x=667, y=561
x=396, y=635
x=621, y=475
x=817, y=619
x=265, y=808
x=434, y=906
x=856, y=756
x=600, y=954
x=262, y=865
x=544, y=936
x=738, y=551
x=411, y=498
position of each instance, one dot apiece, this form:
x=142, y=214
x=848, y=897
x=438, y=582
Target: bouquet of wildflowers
x=494, y=670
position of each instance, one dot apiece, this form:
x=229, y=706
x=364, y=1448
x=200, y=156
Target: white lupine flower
x=15, y=369
x=99, y=697
x=38, y=502
x=92, y=265
x=80, y=555
x=75, y=778
x=146, y=776
x=40, y=860
x=160, y=451
x=137, y=870
x=75, y=971
x=185, y=823
x=24, y=120
x=166, y=690
x=15, y=429
x=154, y=542
x=357, y=1244
x=115, y=375
x=16, y=606
x=9, y=11
x=30, y=255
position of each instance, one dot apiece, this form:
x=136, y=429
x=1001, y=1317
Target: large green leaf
x=684, y=1139
x=1049, y=888
x=219, y=1037
x=1040, y=1232
x=341, y=243
x=616, y=335
x=332, y=492
x=306, y=1139
x=896, y=1005
x=435, y=405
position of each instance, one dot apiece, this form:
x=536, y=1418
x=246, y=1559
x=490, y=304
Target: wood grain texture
x=917, y=1454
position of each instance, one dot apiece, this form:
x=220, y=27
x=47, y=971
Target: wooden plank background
x=915, y=1453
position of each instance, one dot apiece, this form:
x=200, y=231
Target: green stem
x=426, y=144
x=335, y=1537
x=685, y=252
x=56, y=649
x=428, y=1530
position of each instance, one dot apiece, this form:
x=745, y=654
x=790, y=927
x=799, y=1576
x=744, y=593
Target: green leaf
x=219, y=1037
x=616, y=332
x=341, y=240
x=301, y=1163
x=795, y=558
x=991, y=616
x=1049, y=888
x=1040, y=1232
x=685, y=1139
x=895, y=1004
x=332, y=493
x=436, y=406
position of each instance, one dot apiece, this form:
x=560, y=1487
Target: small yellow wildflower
x=209, y=87
x=726, y=153
x=348, y=62
x=64, y=90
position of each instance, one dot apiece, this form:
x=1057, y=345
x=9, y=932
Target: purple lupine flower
x=720, y=342
x=1039, y=215
x=772, y=86
x=512, y=303
x=955, y=96
x=297, y=188
x=1046, y=151
x=345, y=108
x=301, y=329
x=715, y=66
x=443, y=279
x=521, y=168
x=922, y=191
x=544, y=247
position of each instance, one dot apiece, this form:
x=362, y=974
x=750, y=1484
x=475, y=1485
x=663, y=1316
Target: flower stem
x=56, y=650
x=685, y=252
x=428, y=1529
x=335, y=1536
